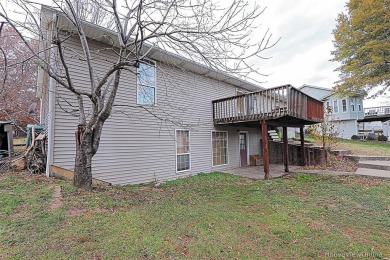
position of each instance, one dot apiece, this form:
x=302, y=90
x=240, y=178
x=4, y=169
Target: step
x=379, y=165
x=367, y=157
x=373, y=172
x=342, y=152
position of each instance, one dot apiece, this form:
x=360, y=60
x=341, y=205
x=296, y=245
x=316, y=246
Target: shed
x=6, y=140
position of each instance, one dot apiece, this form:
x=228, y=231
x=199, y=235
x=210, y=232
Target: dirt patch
x=19, y=211
x=56, y=198
x=364, y=181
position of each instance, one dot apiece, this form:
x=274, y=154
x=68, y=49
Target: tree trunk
x=83, y=160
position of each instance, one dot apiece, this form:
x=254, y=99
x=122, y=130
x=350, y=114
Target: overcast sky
x=302, y=56
x=303, y=53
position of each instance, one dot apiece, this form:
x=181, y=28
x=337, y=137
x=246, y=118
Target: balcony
x=376, y=114
x=280, y=106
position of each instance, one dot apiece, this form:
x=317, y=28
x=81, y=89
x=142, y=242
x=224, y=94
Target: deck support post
x=303, y=150
x=264, y=133
x=285, y=149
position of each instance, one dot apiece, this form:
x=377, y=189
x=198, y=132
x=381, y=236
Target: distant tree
x=18, y=77
x=362, y=46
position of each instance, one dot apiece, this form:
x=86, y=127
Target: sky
x=303, y=53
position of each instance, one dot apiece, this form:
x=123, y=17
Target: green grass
x=365, y=147
x=215, y=216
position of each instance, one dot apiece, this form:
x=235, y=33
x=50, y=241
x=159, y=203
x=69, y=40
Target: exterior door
x=243, y=150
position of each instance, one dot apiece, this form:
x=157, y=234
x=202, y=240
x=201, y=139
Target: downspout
x=52, y=96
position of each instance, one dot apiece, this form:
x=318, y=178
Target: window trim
x=154, y=64
x=346, y=105
x=227, y=148
x=352, y=104
x=189, y=150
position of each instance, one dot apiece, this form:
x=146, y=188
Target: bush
x=370, y=138
x=355, y=137
x=382, y=138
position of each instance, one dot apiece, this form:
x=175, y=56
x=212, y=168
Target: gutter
x=52, y=96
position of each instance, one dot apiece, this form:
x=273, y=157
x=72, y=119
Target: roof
x=108, y=36
x=316, y=87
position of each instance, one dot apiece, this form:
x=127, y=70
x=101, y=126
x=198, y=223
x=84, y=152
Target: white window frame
x=353, y=105
x=336, y=106
x=359, y=104
x=346, y=105
x=153, y=64
x=189, y=149
x=212, y=150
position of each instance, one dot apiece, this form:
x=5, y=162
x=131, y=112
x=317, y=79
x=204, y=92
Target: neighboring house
x=170, y=121
x=345, y=111
x=376, y=122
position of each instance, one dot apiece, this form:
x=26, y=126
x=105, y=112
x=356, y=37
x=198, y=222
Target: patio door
x=243, y=144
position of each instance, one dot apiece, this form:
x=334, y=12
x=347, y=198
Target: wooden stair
x=273, y=135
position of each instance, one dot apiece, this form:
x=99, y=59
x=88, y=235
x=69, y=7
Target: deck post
x=303, y=150
x=264, y=132
x=285, y=149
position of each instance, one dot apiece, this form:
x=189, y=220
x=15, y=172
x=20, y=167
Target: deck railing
x=377, y=111
x=268, y=104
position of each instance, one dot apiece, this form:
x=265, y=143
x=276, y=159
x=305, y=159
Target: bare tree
x=18, y=73
x=220, y=37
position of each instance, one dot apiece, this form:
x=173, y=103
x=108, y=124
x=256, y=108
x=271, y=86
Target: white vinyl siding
x=137, y=146
x=146, y=83
x=183, y=154
x=219, y=141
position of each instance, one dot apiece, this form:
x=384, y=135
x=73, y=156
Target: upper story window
x=359, y=105
x=335, y=106
x=344, y=105
x=146, y=83
x=352, y=105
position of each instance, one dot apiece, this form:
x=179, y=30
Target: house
x=176, y=118
x=345, y=111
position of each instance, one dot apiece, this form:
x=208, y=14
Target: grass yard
x=366, y=148
x=215, y=216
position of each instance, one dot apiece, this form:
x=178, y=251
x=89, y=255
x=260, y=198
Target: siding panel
x=135, y=145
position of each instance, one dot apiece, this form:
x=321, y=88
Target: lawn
x=365, y=148
x=215, y=216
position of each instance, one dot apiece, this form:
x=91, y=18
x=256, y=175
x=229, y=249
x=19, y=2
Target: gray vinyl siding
x=346, y=128
x=137, y=147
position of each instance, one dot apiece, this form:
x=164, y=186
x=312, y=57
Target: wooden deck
x=281, y=104
x=376, y=114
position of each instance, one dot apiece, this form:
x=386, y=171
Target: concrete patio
x=257, y=172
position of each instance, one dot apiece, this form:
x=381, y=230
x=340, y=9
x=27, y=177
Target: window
x=352, y=105
x=183, y=154
x=335, y=106
x=146, y=83
x=344, y=105
x=219, y=143
x=359, y=105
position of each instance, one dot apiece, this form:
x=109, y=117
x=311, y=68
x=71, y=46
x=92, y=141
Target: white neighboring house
x=346, y=111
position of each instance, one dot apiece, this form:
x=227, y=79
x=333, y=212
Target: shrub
x=355, y=137
x=382, y=138
x=370, y=138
